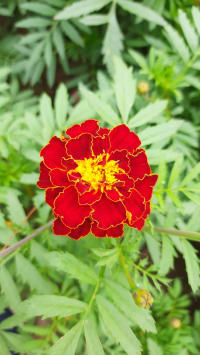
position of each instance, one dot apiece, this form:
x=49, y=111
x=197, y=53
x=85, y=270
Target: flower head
x=96, y=180
x=143, y=298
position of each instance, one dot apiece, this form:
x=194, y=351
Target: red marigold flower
x=96, y=180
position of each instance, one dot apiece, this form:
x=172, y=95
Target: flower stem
x=180, y=233
x=126, y=270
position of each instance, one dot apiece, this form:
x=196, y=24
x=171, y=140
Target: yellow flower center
x=99, y=172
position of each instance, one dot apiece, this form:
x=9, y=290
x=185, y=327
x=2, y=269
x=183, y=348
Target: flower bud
x=143, y=87
x=143, y=298
x=175, y=323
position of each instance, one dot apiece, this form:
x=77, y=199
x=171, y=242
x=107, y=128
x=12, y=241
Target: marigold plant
x=96, y=180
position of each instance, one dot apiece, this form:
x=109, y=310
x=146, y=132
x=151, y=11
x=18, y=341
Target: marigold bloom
x=96, y=180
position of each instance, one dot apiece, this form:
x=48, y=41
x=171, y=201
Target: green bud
x=143, y=87
x=143, y=298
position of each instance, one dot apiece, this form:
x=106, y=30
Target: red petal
x=100, y=145
x=103, y=131
x=122, y=138
x=51, y=194
x=108, y=213
x=121, y=157
x=44, y=178
x=59, y=228
x=80, y=147
x=139, y=224
x=59, y=177
x=81, y=231
x=145, y=186
x=89, y=126
x=68, y=207
x=139, y=165
x=69, y=164
x=82, y=187
x=113, y=194
x=135, y=205
x=89, y=197
x=114, y=232
x=53, y=153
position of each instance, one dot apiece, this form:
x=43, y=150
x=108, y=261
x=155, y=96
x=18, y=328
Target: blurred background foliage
x=136, y=62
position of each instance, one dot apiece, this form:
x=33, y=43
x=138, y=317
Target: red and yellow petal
x=44, y=178
x=89, y=126
x=51, y=194
x=59, y=178
x=108, y=213
x=80, y=148
x=53, y=153
x=59, y=227
x=113, y=232
x=145, y=186
x=139, y=166
x=122, y=138
x=69, y=164
x=103, y=131
x=81, y=231
x=121, y=156
x=100, y=145
x=135, y=206
x=67, y=206
x=89, y=197
x=139, y=224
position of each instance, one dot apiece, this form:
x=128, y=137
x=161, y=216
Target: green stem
x=126, y=270
x=180, y=233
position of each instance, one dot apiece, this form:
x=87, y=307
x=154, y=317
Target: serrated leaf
x=142, y=11
x=124, y=88
x=104, y=110
x=48, y=51
x=190, y=34
x=9, y=288
x=178, y=43
x=38, y=8
x=72, y=33
x=66, y=262
x=167, y=256
x=61, y=106
x=67, y=344
x=47, y=117
x=59, y=42
x=175, y=173
x=153, y=347
x=4, y=350
x=124, y=301
x=80, y=8
x=192, y=265
x=192, y=175
x=157, y=133
x=31, y=276
x=33, y=22
x=94, y=20
x=52, y=306
x=118, y=326
x=196, y=18
x=29, y=178
x=92, y=340
x=15, y=208
x=148, y=113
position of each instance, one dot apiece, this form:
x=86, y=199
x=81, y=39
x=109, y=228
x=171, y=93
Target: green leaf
x=52, y=306
x=124, y=88
x=148, y=113
x=80, y=8
x=94, y=20
x=153, y=347
x=51, y=71
x=178, y=43
x=118, y=326
x=167, y=256
x=157, y=133
x=153, y=247
x=37, y=72
x=68, y=263
x=15, y=209
x=29, y=178
x=113, y=41
x=92, y=340
x=4, y=350
x=124, y=301
x=72, y=33
x=190, y=34
x=142, y=11
x=47, y=117
x=61, y=106
x=196, y=18
x=48, y=52
x=176, y=170
x=67, y=344
x=33, y=22
x=9, y=288
x=104, y=110
x=192, y=175
x=38, y=8
x=192, y=264
x=59, y=42
x=31, y=276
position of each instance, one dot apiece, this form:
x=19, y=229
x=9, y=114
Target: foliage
x=71, y=297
